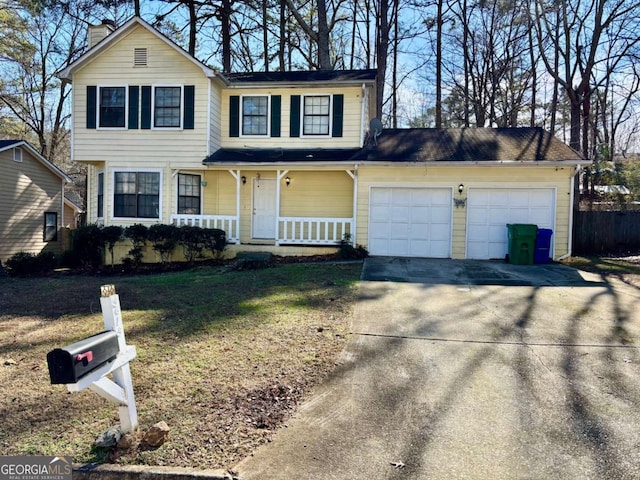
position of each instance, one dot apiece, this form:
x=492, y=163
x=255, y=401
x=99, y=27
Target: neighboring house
x=31, y=201
x=72, y=213
x=285, y=161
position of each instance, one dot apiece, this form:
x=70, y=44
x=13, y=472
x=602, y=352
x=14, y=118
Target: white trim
x=126, y=106
x=104, y=191
x=330, y=130
x=267, y=134
x=112, y=193
x=153, y=105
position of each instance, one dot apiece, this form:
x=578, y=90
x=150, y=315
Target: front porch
x=276, y=207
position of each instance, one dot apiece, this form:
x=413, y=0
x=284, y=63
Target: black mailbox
x=69, y=364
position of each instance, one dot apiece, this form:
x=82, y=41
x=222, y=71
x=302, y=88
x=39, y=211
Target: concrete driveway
x=474, y=370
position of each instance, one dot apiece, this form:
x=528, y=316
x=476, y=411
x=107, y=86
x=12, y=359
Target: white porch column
x=236, y=175
x=354, y=176
x=280, y=175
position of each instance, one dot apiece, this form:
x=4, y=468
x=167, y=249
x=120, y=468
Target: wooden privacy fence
x=601, y=232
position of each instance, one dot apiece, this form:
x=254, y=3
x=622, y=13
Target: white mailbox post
x=120, y=389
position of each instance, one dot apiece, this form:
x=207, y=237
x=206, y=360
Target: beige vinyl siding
x=470, y=176
x=28, y=189
x=317, y=194
x=144, y=148
x=352, y=120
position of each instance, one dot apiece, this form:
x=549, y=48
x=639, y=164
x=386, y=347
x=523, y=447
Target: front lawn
x=223, y=357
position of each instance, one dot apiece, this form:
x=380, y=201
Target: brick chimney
x=97, y=33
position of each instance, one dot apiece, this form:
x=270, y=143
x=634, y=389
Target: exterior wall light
x=287, y=180
x=244, y=179
x=460, y=202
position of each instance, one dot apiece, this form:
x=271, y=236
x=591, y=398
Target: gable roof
x=300, y=77
x=8, y=144
x=110, y=39
x=501, y=145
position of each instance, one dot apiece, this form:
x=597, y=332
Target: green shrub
x=347, y=251
x=193, y=242
x=215, y=240
x=110, y=236
x=164, y=239
x=137, y=233
x=24, y=263
x=88, y=246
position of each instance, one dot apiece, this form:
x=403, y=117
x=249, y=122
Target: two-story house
x=292, y=162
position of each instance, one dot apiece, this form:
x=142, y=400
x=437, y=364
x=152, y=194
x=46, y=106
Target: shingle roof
x=467, y=145
x=279, y=155
x=301, y=76
x=422, y=145
x=8, y=143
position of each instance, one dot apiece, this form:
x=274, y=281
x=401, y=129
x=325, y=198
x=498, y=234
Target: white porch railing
x=228, y=223
x=313, y=231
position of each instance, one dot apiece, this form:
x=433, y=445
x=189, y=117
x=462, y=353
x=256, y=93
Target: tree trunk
x=225, y=27
x=324, y=53
x=265, y=36
x=439, y=22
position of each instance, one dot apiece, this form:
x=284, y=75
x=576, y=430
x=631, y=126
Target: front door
x=264, y=208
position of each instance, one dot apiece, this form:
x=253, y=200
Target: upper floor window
x=100, y=213
x=136, y=195
x=255, y=115
x=316, y=118
x=17, y=154
x=167, y=107
x=112, y=107
x=188, y=194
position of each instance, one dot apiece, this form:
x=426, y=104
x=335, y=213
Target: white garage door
x=410, y=222
x=489, y=210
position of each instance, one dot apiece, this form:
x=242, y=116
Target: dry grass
x=223, y=357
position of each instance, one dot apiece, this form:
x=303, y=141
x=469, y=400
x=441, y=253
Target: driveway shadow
x=474, y=272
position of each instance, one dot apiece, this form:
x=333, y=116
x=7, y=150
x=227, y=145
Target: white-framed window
x=112, y=106
x=17, y=154
x=50, y=232
x=255, y=115
x=100, y=195
x=167, y=106
x=189, y=194
x=137, y=194
x=316, y=115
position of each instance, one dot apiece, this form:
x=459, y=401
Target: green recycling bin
x=522, y=243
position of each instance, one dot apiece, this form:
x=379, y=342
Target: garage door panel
x=490, y=210
x=418, y=221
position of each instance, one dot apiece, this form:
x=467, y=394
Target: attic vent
x=17, y=154
x=139, y=57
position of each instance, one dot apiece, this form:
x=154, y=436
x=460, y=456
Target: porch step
x=253, y=259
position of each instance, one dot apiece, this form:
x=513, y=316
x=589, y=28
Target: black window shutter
x=145, y=104
x=294, y=119
x=91, y=106
x=189, y=107
x=234, y=116
x=276, y=104
x=338, y=109
x=134, y=97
